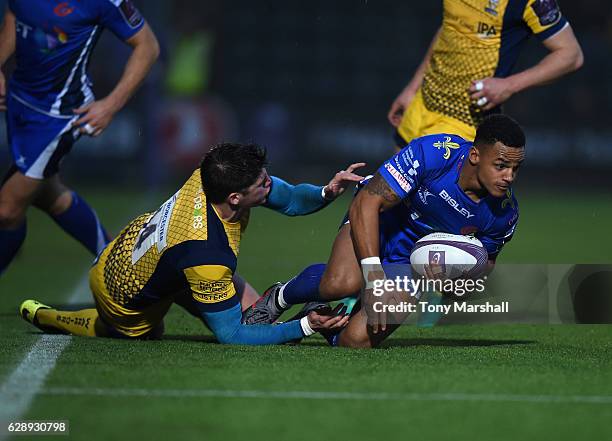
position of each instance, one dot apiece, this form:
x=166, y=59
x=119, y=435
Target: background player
x=436, y=183
x=466, y=71
x=187, y=252
x=49, y=104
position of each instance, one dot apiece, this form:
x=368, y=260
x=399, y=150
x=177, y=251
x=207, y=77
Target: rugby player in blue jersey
x=436, y=183
x=49, y=104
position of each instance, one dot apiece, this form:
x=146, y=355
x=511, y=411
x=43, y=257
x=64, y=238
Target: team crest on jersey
x=548, y=11
x=447, y=145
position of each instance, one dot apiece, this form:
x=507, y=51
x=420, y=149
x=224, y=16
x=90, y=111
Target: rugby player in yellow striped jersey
x=467, y=71
x=186, y=252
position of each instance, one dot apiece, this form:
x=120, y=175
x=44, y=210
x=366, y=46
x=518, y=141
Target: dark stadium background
x=312, y=81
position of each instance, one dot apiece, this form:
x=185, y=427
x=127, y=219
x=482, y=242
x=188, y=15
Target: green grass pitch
x=446, y=383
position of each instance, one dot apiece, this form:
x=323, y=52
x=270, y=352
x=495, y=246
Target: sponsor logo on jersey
x=447, y=145
x=214, y=291
x=198, y=216
x=453, y=203
x=485, y=30
x=424, y=193
x=63, y=9
x=130, y=13
x=399, y=178
x=491, y=7
x=548, y=11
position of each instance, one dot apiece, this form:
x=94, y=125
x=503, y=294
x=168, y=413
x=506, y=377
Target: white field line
x=326, y=395
x=28, y=378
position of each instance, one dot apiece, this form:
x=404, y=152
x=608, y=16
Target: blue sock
x=10, y=242
x=82, y=223
x=304, y=287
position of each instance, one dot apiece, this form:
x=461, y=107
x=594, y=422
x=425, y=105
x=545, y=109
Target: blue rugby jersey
x=425, y=175
x=54, y=42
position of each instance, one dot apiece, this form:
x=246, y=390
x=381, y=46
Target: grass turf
x=533, y=361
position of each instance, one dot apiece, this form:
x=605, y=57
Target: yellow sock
x=85, y=322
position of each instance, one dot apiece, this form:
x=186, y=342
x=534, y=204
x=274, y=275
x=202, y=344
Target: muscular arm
x=375, y=197
x=144, y=54
x=565, y=56
x=407, y=94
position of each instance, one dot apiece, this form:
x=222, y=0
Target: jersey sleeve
x=214, y=297
x=404, y=171
x=295, y=200
x=121, y=17
x=212, y=287
x=502, y=231
x=544, y=18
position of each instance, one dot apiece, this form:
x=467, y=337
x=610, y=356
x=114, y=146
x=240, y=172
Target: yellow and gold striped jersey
x=480, y=39
x=184, y=246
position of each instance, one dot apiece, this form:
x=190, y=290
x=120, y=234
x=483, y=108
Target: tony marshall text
x=444, y=309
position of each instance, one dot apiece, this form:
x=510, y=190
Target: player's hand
x=488, y=93
x=95, y=117
x=399, y=106
x=328, y=319
x=342, y=180
x=2, y=92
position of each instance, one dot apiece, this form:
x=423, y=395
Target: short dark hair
x=229, y=168
x=500, y=128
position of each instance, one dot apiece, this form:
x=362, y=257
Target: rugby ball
x=453, y=255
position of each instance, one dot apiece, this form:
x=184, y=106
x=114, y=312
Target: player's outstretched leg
x=72, y=214
x=16, y=194
x=340, y=278
x=85, y=322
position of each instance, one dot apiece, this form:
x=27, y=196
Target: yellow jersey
x=480, y=39
x=183, y=247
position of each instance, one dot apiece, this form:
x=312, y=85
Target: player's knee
x=56, y=205
x=334, y=287
x=11, y=216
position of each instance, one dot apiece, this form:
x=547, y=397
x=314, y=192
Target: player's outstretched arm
x=565, y=56
x=404, y=99
x=227, y=327
x=302, y=199
x=376, y=196
x=7, y=47
x=99, y=114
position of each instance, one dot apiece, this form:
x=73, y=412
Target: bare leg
x=247, y=294
x=16, y=195
x=342, y=277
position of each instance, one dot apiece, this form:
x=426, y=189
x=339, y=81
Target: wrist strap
x=306, y=329
x=374, y=260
